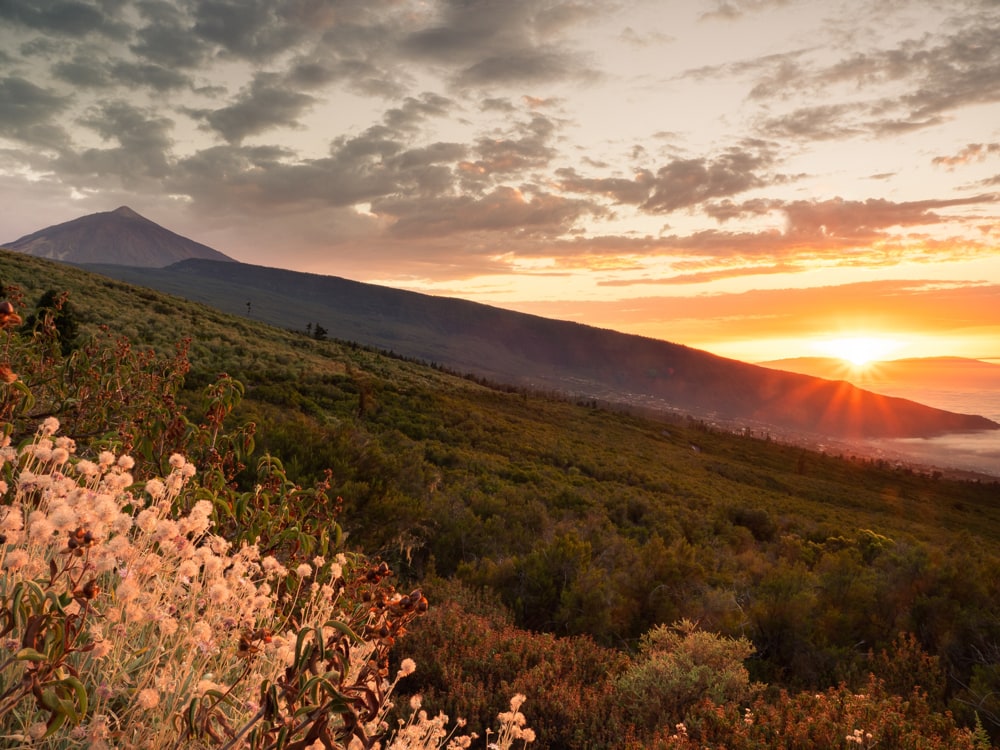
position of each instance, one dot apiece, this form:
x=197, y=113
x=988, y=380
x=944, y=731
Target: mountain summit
x=120, y=237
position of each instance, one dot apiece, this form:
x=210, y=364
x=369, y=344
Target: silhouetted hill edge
x=525, y=349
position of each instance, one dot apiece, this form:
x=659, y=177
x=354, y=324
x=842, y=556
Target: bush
x=676, y=668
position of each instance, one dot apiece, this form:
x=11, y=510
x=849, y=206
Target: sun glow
x=859, y=351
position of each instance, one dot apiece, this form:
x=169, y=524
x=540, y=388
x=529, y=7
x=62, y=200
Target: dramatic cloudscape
x=750, y=177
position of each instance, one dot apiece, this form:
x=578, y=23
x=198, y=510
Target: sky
x=758, y=178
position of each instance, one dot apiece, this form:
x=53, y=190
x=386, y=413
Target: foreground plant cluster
x=166, y=583
x=131, y=618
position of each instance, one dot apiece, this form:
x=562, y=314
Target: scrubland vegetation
x=218, y=512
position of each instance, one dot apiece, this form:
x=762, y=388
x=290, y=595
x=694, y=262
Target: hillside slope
x=579, y=520
x=549, y=354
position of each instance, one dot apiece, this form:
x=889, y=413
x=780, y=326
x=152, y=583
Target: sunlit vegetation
x=755, y=593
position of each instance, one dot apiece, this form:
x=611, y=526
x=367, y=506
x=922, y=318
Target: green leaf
x=82, y=701
x=30, y=654
x=56, y=720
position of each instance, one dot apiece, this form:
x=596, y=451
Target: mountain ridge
x=570, y=357
x=122, y=237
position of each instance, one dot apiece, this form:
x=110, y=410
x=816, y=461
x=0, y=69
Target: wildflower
x=177, y=461
x=50, y=426
x=40, y=529
x=16, y=558
x=106, y=509
x=407, y=667
x=148, y=698
x=165, y=531
x=146, y=520
x=127, y=590
x=87, y=468
x=187, y=571
x=218, y=593
x=126, y=462
x=63, y=518
x=304, y=570
x=155, y=488
x=416, y=701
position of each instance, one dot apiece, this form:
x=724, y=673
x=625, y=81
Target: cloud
x=62, y=17
x=701, y=277
x=167, y=40
x=414, y=110
x=525, y=146
x=155, y=77
x=263, y=105
x=258, y=30
x=505, y=209
x=142, y=153
x=682, y=183
x=522, y=67
x=860, y=221
x=687, y=182
x=28, y=113
x=910, y=86
x=817, y=123
x=730, y=10
x=618, y=189
x=83, y=71
x=837, y=218
x=972, y=153
x=508, y=43
x=374, y=164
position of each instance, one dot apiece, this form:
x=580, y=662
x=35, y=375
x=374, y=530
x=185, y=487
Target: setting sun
x=859, y=350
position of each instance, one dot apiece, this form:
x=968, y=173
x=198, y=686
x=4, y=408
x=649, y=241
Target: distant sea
x=977, y=452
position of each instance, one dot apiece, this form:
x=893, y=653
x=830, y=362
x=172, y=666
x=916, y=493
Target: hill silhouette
x=122, y=237
x=542, y=353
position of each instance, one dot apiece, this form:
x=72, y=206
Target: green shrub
x=676, y=668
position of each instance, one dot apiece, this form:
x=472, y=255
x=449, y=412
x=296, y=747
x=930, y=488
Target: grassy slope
x=441, y=472
x=565, y=442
